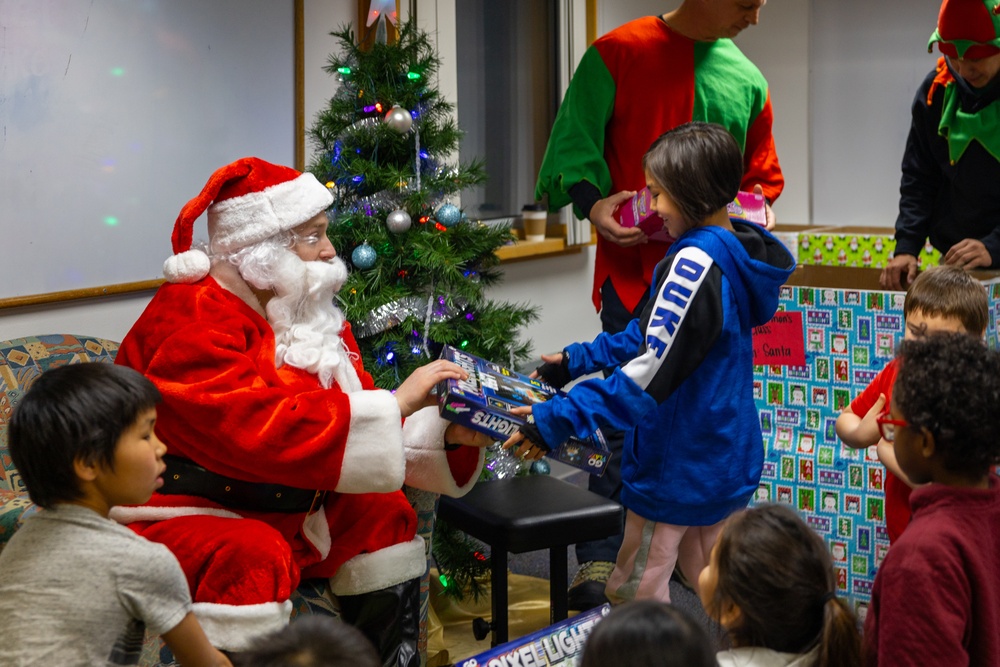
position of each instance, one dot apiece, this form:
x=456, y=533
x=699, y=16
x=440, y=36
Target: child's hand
x=414, y=393
x=860, y=432
x=867, y=431
x=770, y=217
x=549, y=359
x=554, y=371
x=527, y=448
x=602, y=215
x=456, y=434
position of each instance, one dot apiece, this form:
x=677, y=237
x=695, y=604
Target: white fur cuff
x=427, y=466
x=386, y=567
x=235, y=627
x=373, y=456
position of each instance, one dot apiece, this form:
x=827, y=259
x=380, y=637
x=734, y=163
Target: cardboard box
x=484, y=400
x=559, y=644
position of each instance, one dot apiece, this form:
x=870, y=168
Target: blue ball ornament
x=363, y=256
x=540, y=467
x=448, y=215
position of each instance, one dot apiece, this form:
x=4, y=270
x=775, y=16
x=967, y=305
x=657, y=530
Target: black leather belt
x=183, y=477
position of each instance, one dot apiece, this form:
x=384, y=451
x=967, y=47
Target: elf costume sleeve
x=631, y=86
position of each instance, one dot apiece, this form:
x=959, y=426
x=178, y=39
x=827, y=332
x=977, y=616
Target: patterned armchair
x=22, y=360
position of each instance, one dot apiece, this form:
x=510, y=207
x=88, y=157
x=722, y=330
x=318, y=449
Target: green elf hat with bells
x=967, y=29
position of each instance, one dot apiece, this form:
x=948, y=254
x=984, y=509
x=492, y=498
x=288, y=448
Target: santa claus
x=284, y=460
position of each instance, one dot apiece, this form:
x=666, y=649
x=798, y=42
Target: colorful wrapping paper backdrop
x=849, y=336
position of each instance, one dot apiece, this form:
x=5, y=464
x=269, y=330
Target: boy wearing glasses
x=942, y=298
x=936, y=598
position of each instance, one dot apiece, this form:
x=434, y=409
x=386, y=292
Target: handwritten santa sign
x=780, y=342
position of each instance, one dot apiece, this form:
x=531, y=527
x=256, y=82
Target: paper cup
x=534, y=225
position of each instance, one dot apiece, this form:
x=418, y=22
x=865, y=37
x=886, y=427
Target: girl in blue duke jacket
x=682, y=384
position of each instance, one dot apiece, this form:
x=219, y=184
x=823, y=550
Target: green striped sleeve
x=575, y=151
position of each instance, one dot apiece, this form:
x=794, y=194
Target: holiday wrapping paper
x=854, y=248
x=849, y=337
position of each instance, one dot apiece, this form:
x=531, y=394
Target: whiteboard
x=113, y=113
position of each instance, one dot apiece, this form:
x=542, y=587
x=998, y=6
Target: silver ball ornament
x=448, y=215
x=363, y=257
x=398, y=221
x=399, y=119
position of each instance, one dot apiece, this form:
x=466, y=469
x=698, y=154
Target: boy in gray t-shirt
x=76, y=588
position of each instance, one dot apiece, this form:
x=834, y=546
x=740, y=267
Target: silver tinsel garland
x=391, y=314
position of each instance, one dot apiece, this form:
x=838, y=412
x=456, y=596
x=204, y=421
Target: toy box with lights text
x=484, y=400
x=559, y=644
x=638, y=212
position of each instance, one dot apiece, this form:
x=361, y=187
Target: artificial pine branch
x=374, y=169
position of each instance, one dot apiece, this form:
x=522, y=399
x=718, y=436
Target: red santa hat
x=248, y=201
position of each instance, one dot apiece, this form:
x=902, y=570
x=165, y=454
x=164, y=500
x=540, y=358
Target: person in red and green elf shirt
x=632, y=85
x=951, y=165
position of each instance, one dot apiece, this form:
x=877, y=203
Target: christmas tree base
x=449, y=623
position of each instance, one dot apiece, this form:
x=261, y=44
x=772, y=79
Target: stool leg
x=498, y=558
x=558, y=595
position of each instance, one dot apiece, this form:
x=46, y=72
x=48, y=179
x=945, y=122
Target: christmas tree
x=420, y=268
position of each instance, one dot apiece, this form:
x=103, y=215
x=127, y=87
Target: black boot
x=390, y=618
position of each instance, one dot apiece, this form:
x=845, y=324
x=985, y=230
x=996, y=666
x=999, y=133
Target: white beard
x=306, y=323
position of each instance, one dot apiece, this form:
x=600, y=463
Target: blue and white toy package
x=484, y=400
x=560, y=644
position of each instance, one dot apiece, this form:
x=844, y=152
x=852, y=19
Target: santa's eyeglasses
x=310, y=239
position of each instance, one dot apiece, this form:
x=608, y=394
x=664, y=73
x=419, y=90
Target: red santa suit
x=228, y=408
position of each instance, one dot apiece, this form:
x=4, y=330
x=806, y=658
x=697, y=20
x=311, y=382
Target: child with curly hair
x=936, y=598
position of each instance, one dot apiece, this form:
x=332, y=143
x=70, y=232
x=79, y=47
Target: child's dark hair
x=311, y=640
x=699, y=165
x=778, y=572
x=79, y=411
x=949, y=384
x=647, y=633
x=949, y=291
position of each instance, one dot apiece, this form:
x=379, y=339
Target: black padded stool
x=528, y=514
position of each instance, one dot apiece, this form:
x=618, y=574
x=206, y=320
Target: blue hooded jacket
x=683, y=379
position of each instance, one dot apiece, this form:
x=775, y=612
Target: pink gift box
x=638, y=212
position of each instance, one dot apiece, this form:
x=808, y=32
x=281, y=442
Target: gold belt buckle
x=317, y=500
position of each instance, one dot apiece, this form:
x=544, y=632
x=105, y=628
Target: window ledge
x=554, y=245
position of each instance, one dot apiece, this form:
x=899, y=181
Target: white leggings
x=649, y=552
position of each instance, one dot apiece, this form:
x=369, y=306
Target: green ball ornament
x=398, y=221
x=363, y=257
x=448, y=215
